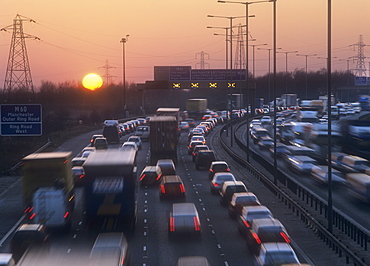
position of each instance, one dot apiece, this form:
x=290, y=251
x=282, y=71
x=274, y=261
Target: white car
x=265, y=120
x=137, y=140
x=129, y=145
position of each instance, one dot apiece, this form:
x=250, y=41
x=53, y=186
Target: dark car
x=143, y=132
x=204, y=159
x=216, y=167
x=241, y=199
x=198, y=148
x=265, y=230
x=184, y=220
x=167, y=166
x=78, y=175
x=101, y=143
x=190, y=121
x=258, y=133
x=276, y=254
x=150, y=175
x=265, y=143
x=249, y=213
x=219, y=179
x=25, y=236
x=171, y=187
x=229, y=188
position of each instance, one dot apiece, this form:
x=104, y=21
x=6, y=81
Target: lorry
x=48, y=189
x=164, y=135
x=110, y=190
x=196, y=107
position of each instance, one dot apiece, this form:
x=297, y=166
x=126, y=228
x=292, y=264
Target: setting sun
x=92, y=81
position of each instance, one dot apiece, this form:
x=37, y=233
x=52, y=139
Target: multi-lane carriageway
x=149, y=244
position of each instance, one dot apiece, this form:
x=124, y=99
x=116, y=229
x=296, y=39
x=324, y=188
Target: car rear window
x=173, y=188
x=219, y=167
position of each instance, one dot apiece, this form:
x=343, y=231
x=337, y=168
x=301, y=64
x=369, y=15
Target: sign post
x=21, y=120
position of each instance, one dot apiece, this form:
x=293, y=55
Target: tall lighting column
x=286, y=73
x=253, y=57
x=231, y=67
x=246, y=58
x=306, y=55
x=123, y=41
x=274, y=86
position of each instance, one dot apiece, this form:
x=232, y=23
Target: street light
x=269, y=71
x=306, y=55
x=226, y=40
x=123, y=41
x=253, y=46
x=246, y=55
x=231, y=66
x=286, y=73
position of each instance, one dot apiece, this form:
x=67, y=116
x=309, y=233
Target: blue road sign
x=21, y=120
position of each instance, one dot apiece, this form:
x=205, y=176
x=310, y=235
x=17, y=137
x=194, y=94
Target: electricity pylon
x=360, y=70
x=18, y=73
x=202, y=62
x=107, y=76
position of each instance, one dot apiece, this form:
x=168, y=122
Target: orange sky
x=77, y=37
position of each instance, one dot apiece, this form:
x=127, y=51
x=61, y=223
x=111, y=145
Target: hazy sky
x=79, y=36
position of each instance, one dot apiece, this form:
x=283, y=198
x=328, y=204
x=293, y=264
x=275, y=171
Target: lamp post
x=269, y=71
x=306, y=55
x=231, y=67
x=254, y=66
x=226, y=40
x=123, y=41
x=286, y=73
x=246, y=55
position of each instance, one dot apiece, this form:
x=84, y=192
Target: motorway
x=149, y=245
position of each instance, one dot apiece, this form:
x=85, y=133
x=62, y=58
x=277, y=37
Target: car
x=6, y=259
x=198, y=138
x=249, y=213
x=258, y=133
x=218, y=180
x=78, y=161
x=193, y=261
x=184, y=126
x=150, y=175
x=143, y=132
x=204, y=128
x=353, y=164
x=171, y=186
x=204, y=159
x=110, y=122
x=184, y=220
x=128, y=145
x=265, y=120
x=110, y=249
x=216, y=167
x=195, y=132
x=86, y=154
x=167, y=166
x=25, y=236
x=228, y=189
x=276, y=254
x=206, y=116
x=320, y=174
x=301, y=164
x=101, y=143
x=92, y=140
x=192, y=145
x=293, y=151
x=190, y=121
x=78, y=175
x=92, y=149
x=265, y=143
x=197, y=148
x=281, y=149
x=265, y=230
x=239, y=200
x=137, y=140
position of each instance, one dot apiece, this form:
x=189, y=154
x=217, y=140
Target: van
x=6, y=259
x=111, y=133
x=354, y=164
x=359, y=185
x=110, y=249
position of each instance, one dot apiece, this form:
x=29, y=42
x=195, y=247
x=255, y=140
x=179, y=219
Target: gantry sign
x=183, y=77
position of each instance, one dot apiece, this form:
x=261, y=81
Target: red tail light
x=182, y=188
x=32, y=216
x=82, y=176
x=246, y=224
x=172, y=224
x=158, y=177
x=163, y=190
x=66, y=215
x=142, y=177
x=196, y=224
x=215, y=184
x=286, y=238
x=255, y=236
x=227, y=170
x=211, y=170
x=28, y=209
